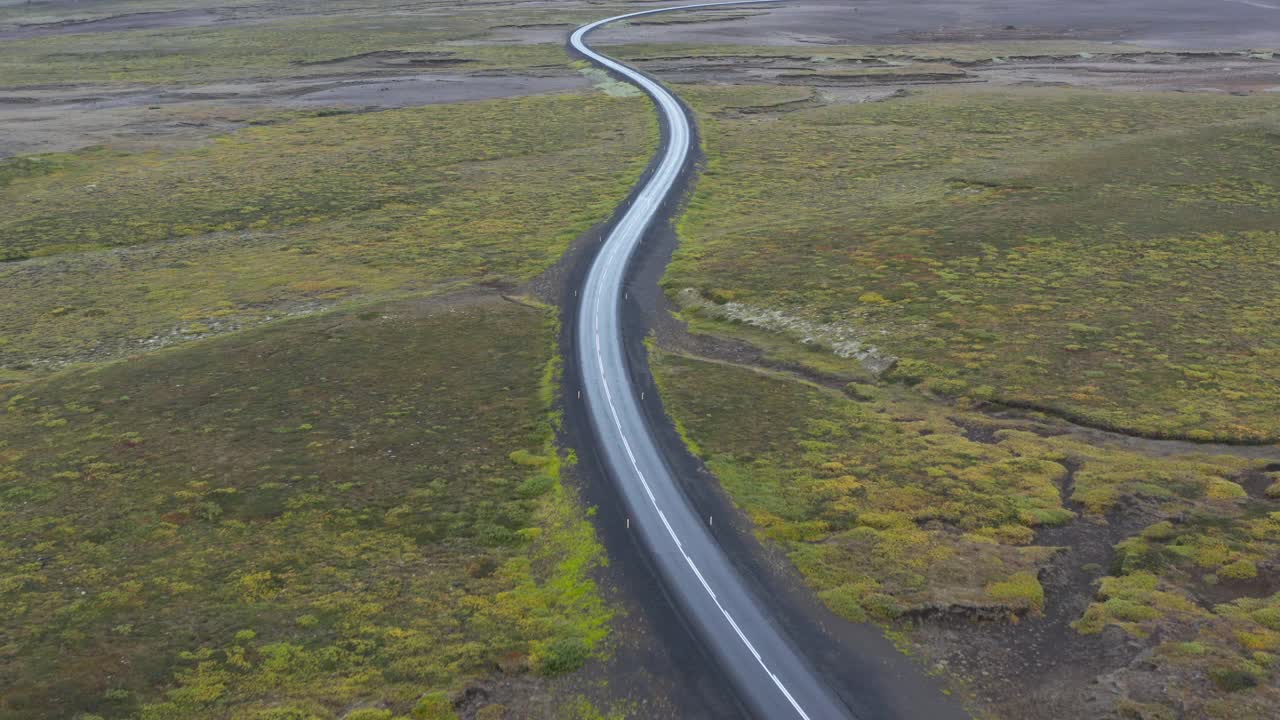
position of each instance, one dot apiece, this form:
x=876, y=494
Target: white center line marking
x=632, y=224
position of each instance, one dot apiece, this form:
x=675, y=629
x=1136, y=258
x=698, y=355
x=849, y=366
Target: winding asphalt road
x=770, y=674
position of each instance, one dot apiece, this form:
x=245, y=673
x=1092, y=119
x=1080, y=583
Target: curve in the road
x=770, y=675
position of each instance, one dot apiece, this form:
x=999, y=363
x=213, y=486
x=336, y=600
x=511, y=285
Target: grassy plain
x=273, y=447
x=341, y=510
x=881, y=498
x=311, y=170
x=273, y=39
x=208, y=55
x=357, y=514
x=157, y=247
x=894, y=507
x=1107, y=256
x=954, y=51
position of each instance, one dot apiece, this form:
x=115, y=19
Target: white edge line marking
x=659, y=184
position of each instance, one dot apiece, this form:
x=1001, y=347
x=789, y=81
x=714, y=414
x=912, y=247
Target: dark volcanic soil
x=1191, y=24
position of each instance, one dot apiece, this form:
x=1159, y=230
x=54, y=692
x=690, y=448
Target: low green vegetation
x=154, y=248
x=893, y=506
x=962, y=52
x=354, y=509
x=889, y=504
x=273, y=39
x=691, y=17
x=210, y=55
x=310, y=171
x=1204, y=589
x=1109, y=257
x=273, y=447
x=1106, y=257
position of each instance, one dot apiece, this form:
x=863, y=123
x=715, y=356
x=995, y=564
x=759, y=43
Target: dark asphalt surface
x=795, y=647
x=772, y=678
